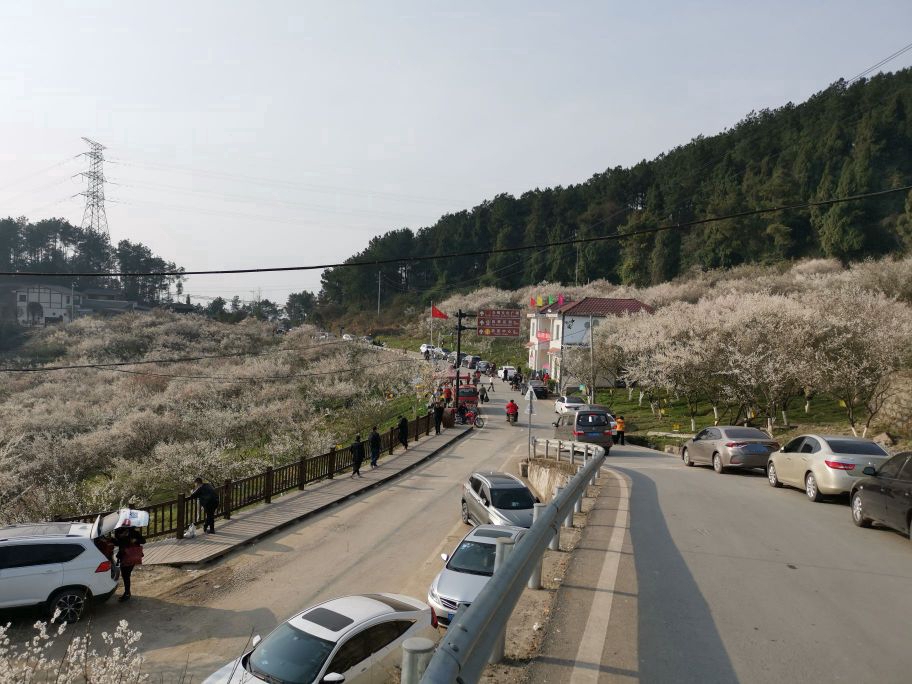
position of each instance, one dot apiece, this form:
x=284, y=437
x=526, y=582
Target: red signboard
x=543, y=336
x=499, y=322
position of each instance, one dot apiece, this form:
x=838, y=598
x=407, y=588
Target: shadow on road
x=677, y=639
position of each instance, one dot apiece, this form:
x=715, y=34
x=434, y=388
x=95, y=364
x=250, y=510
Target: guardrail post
x=392, y=440
x=417, y=427
x=503, y=549
x=181, y=516
x=226, y=499
x=302, y=472
x=427, y=424
x=578, y=504
x=331, y=457
x=572, y=454
x=267, y=494
x=416, y=654
x=547, y=444
x=560, y=444
x=554, y=543
x=568, y=520
x=535, y=579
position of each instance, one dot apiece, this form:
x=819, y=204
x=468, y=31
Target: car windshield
x=513, y=498
x=591, y=419
x=855, y=446
x=573, y=400
x=289, y=655
x=746, y=433
x=474, y=558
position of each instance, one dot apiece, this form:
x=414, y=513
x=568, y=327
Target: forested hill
x=843, y=140
x=56, y=246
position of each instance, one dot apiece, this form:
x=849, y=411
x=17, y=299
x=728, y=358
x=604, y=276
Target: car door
x=385, y=642
x=903, y=498
x=352, y=659
x=29, y=573
x=804, y=460
x=785, y=460
x=894, y=492
x=562, y=427
x=484, y=515
x=476, y=510
x=711, y=443
x=697, y=447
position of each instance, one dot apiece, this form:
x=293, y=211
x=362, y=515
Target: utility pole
x=576, y=274
x=378, y=293
x=94, y=217
x=459, y=317
x=591, y=363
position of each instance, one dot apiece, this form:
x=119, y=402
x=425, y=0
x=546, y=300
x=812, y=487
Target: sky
x=253, y=134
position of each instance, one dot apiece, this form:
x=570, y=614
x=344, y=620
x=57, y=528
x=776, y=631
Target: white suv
x=57, y=565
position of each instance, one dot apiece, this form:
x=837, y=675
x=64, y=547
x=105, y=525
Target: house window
x=23, y=297
x=68, y=299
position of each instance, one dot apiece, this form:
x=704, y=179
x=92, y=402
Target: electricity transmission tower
x=94, y=218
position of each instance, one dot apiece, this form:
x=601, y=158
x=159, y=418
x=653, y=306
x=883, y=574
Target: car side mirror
x=870, y=470
x=537, y=500
x=334, y=677
x=445, y=557
x=256, y=639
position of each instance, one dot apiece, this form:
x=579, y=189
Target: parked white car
x=57, y=565
x=568, y=404
x=353, y=639
x=506, y=372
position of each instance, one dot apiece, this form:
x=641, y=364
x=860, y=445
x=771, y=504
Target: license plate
x=593, y=434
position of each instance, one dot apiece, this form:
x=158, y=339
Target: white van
x=506, y=372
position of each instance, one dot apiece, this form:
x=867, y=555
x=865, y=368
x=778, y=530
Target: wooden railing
x=175, y=516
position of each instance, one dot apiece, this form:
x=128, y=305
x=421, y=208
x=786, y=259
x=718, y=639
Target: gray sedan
x=729, y=446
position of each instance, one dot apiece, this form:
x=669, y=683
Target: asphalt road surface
x=722, y=578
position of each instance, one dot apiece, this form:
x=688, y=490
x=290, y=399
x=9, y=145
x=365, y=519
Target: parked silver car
x=467, y=570
x=498, y=499
x=823, y=465
x=591, y=423
x=729, y=446
x=568, y=403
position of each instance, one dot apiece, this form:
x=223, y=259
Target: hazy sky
x=249, y=134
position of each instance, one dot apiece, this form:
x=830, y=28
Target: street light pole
x=591, y=363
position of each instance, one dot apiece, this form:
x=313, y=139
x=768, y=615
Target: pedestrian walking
x=490, y=383
x=209, y=500
x=129, y=554
x=373, y=441
x=447, y=395
x=403, y=432
x=482, y=395
x=357, y=449
x=619, y=438
x=438, y=417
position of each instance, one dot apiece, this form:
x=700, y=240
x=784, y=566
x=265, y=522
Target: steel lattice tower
x=94, y=217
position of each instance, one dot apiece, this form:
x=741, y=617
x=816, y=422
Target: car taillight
x=104, y=566
x=434, y=622
x=735, y=444
x=577, y=433
x=775, y=446
x=839, y=465
x=607, y=432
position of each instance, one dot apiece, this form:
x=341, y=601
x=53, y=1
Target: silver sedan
x=729, y=446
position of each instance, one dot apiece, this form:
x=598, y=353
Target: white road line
x=592, y=644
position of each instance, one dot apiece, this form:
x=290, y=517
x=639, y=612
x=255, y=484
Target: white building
x=554, y=327
x=41, y=304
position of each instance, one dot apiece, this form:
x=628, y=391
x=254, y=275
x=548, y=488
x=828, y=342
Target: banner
x=437, y=313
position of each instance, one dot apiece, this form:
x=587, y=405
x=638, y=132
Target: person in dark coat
x=403, y=432
x=129, y=554
x=209, y=500
x=438, y=417
x=373, y=441
x=357, y=449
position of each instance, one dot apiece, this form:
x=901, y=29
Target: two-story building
x=554, y=327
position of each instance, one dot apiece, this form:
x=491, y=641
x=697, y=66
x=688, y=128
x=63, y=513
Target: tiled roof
x=597, y=306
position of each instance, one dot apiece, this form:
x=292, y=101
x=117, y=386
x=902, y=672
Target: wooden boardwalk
x=250, y=525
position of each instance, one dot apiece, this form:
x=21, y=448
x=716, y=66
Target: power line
x=880, y=64
x=478, y=252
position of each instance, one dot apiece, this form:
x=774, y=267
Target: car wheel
x=858, y=516
x=686, y=457
x=810, y=487
x=67, y=605
x=717, y=464
x=772, y=476
x=465, y=513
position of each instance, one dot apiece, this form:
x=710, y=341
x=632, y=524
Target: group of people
x=374, y=445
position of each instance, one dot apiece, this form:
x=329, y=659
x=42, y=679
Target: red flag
x=437, y=313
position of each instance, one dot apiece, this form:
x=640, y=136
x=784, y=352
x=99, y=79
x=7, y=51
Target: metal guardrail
x=474, y=632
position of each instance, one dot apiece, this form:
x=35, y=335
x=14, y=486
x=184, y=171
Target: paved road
x=723, y=579
x=389, y=540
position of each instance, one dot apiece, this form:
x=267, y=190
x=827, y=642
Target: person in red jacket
x=512, y=411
